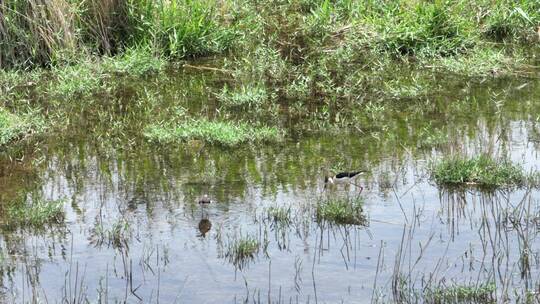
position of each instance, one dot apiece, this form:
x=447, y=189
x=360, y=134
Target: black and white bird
x=346, y=178
x=205, y=200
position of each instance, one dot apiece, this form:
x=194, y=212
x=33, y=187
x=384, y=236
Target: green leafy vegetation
x=245, y=96
x=241, y=250
x=215, y=132
x=117, y=235
x=34, y=215
x=482, y=293
x=279, y=215
x=14, y=126
x=341, y=211
x=480, y=171
x=41, y=33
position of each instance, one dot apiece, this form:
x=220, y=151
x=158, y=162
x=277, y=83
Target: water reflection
x=204, y=226
x=133, y=208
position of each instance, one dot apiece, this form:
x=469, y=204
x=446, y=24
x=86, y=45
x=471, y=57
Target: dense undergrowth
x=331, y=55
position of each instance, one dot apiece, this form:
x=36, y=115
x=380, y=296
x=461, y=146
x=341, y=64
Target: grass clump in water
x=215, y=132
x=241, y=251
x=14, y=126
x=279, y=215
x=481, y=171
x=245, y=96
x=80, y=79
x=341, y=211
x=483, y=293
x=36, y=215
x=117, y=235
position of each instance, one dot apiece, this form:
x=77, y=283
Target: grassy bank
x=45, y=33
x=277, y=56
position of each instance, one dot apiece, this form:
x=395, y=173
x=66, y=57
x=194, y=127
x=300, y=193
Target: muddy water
x=169, y=250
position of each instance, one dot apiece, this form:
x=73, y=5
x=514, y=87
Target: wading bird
x=346, y=178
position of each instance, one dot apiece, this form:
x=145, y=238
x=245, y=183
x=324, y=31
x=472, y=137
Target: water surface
x=172, y=251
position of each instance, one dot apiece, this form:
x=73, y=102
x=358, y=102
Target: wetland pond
x=133, y=231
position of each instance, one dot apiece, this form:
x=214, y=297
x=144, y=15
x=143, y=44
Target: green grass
x=180, y=28
x=135, y=61
x=45, y=33
x=245, y=96
x=240, y=251
x=279, y=215
x=81, y=79
x=117, y=235
x=425, y=28
x=341, y=211
x=480, y=62
x=13, y=126
x=214, y=132
x=93, y=75
x=35, y=215
x=481, y=171
x=186, y=28
x=483, y=293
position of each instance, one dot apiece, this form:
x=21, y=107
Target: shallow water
x=432, y=237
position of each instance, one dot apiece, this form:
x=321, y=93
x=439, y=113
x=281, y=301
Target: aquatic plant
x=245, y=96
x=216, y=132
x=241, y=250
x=481, y=293
x=345, y=211
x=35, y=214
x=481, y=170
x=77, y=80
x=117, y=235
x=279, y=215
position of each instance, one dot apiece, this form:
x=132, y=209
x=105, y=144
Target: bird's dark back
x=348, y=174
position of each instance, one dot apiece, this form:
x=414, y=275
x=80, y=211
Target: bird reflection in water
x=204, y=226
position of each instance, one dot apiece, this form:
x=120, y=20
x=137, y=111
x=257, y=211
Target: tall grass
x=34, y=32
x=44, y=32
